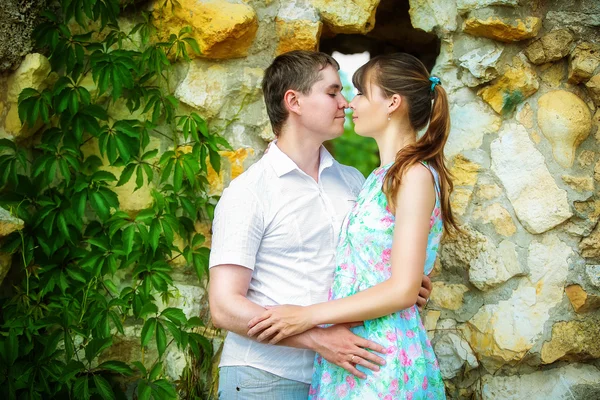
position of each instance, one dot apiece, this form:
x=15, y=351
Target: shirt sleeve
x=238, y=228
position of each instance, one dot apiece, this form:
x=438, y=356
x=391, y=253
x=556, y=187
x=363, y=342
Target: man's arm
x=231, y=310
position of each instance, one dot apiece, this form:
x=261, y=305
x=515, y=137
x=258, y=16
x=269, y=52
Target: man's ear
x=394, y=103
x=291, y=99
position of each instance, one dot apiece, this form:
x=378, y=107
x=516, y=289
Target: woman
x=389, y=239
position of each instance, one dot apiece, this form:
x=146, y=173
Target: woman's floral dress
x=363, y=260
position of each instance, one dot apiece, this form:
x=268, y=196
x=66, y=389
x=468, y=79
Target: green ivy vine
x=67, y=304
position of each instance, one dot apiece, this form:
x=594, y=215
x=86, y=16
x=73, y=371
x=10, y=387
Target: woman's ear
x=292, y=101
x=395, y=102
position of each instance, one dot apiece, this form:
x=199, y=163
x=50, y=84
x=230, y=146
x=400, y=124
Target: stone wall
x=515, y=310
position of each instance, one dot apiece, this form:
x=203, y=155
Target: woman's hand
x=280, y=322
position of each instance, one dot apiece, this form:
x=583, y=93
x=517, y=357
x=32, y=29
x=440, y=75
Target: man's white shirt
x=279, y=222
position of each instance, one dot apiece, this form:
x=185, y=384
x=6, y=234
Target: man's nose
x=344, y=102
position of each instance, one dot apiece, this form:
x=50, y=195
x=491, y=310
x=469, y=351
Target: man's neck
x=306, y=154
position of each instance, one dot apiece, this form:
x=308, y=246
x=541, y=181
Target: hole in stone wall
x=393, y=32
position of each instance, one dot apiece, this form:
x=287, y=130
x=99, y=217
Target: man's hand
x=424, y=292
x=338, y=345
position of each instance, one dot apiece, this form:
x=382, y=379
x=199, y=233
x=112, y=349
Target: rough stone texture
x=565, y=120
x=470, y=5
x=210, y=88
x=464, y=171
x=222, y=29
x=458, y=251
x=550, y=47
x=573, y=340
x=581, y=300
x=525, y=116
x=17, y=21
x=590, y=245
x=495, y=266
x=518, y=82
x=579, y=183
x=503, y=333
x=489, y=192
x=453, y=353
x=5, y=264
x=460, y=199
x=557, y=383
x=298, y=26
x=430, y=322
x=32, y=73
x=433, y=15
x=298, y=35
x=593, y=274
x=583, y=61
x=481, y=63
x=8, y=223
x=500, y=293
x=553, y=75
x=347, y=17
x=448, y=296
x=593, y=87
x=499, y=217
x=470, y=123
x=586, y=158
x=538, y=202
x=503, y=30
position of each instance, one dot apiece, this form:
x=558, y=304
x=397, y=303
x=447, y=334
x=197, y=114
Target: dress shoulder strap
x=436, y=177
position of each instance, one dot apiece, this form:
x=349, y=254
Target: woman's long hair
x=405, y=75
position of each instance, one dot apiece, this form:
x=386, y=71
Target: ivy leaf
x=126, y=174
x=95, y=347
x=165, y=388
x=148, y=308
x=156, y=370
x=174, y=314
x=116, y=366
x=148, y=331
x=81, y=388
x=144, y=391
x=103, y=388
x=161, y=339
x=128, y=235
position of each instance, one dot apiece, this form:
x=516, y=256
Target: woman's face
x=370, y=111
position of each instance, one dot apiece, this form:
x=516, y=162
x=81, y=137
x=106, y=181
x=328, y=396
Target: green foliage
x=87, y=269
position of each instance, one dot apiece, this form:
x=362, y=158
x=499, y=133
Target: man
x=275, y=234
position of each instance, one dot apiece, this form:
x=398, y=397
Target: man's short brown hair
x=295, y=70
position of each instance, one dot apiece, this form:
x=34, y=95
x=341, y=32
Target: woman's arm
x=414, y=205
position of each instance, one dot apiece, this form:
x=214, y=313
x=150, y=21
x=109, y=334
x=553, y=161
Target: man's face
x=322, y=110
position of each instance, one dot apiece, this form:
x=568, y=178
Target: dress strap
x=436, y=178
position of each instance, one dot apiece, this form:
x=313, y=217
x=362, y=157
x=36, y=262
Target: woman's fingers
x=279, y=337
x=267, y=334
x=259, y=327
x=258, y=319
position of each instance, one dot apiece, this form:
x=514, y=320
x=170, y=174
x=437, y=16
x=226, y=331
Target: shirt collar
x=282, y=164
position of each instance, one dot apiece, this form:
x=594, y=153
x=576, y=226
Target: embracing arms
x=231, y=310
x=415, y=202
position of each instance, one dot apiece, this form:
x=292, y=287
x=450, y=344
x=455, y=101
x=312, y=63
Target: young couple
x=309, y=257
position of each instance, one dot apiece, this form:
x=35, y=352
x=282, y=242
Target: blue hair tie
x=434, y=81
